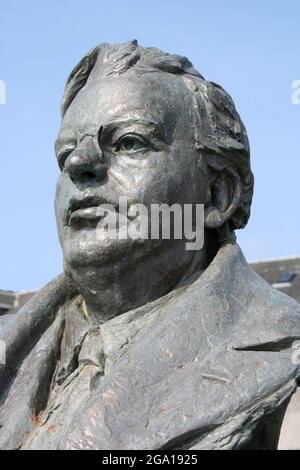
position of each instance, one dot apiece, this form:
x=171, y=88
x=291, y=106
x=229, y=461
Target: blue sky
x=250, y=47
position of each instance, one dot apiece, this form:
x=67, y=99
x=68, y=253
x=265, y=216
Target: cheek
x=154, y=184
x=140, y=180
x=62, y=197
x=165, y=180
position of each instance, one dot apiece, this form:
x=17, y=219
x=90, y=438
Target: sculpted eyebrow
x=62, y=143
x=111, y=127
x=106, y=130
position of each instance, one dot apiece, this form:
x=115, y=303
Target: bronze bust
x=141, y=343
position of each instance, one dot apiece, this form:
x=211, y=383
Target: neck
x=111, y=290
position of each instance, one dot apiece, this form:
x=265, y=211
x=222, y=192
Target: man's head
x=140, y=123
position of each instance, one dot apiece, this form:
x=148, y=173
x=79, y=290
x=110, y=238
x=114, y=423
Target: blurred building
x=281, y=273
x=11, y=302
x=284, y=274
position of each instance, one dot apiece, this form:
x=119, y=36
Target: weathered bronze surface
x=142, y=344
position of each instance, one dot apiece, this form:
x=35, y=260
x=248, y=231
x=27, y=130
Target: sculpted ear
x=226, y=191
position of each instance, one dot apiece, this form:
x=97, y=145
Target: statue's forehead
x=155, y=97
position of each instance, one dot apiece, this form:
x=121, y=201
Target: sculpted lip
x=85, y=211
x=87, y=216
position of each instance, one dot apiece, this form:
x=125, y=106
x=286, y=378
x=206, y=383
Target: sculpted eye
x=63, y=157
x=131, y=143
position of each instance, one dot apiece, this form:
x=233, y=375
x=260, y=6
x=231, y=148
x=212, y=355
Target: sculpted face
x=130, y=136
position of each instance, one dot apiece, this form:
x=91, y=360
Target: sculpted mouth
x=87, y=211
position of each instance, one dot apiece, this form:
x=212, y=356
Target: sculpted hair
x=219, y=132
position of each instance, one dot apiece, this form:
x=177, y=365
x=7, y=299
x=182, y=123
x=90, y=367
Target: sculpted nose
x=86, y=163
